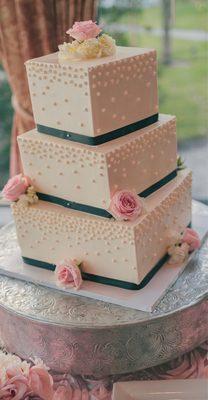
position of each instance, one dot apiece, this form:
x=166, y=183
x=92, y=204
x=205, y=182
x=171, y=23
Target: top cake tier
x=93, y=101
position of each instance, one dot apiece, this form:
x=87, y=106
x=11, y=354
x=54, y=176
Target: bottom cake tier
x=124, y=254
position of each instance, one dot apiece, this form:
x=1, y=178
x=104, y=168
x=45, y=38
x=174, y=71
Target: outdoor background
x=177, y=30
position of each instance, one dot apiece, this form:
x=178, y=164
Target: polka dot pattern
x=89, y=175
x=97, y=241
x=65, y=84
x=93, y=99
x=118, y=86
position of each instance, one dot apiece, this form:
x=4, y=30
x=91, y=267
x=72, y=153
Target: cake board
x=90, y=337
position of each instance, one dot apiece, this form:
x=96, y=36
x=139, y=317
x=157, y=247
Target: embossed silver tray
x=90, y=337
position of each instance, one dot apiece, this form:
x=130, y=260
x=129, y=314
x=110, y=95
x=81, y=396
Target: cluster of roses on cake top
x=88, y=43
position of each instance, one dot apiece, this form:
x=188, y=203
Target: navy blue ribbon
x=156, y=186
x=99, y=211
x=127, y=285
x=74, y=206
x=106, y=137
x=102, y=279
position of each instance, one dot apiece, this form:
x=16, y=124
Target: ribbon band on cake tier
x=106, y=137
x=103, y=279
x=99, y=211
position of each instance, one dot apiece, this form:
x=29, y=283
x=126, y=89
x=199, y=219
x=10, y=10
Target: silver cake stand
x=88, y=337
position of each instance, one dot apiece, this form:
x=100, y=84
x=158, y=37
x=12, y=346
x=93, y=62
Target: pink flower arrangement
x=100, y=392
x=40, y=382
x=187, y=242
x=84, y=30
x=68, y=393
x=189, y=366
x=16, y=385
x=126, y=205
x=68, y=273
x=19, y=380
x=15, y=187
x=191, y=237
x=63, y=393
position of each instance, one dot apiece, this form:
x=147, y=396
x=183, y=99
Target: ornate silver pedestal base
x=89, y=337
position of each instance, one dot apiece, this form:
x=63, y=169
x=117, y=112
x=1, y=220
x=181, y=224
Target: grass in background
x=182, y=85
x=190, y=14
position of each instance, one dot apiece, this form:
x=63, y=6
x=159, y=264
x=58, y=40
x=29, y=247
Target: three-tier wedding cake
x=101, y=192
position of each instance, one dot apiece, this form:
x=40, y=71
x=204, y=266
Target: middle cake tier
x=85, y=178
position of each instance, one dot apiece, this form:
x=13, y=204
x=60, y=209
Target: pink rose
x=100, y=392
x=126, y=205
x=188, y=366
x=68, y=273
x=67, y=393
x=15, y=186
x=63, y=393
x=84, y=30
x=16, y=386
x=41, y=382
x=191, y=237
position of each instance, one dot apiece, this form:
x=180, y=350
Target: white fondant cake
x=100, y=151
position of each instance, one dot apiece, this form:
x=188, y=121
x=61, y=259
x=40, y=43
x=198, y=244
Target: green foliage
x=5, y=129
x=190, y=14
x=182, y=89
x=180, y=163
x=182, y=85
x=121, y=39
x=120, y=10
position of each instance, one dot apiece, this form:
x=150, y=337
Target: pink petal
x=85, y=394
x=77, y=394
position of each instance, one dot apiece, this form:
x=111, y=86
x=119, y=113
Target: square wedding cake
x=101, y=196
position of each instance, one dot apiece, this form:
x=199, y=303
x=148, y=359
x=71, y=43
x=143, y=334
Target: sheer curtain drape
x=28, y=29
